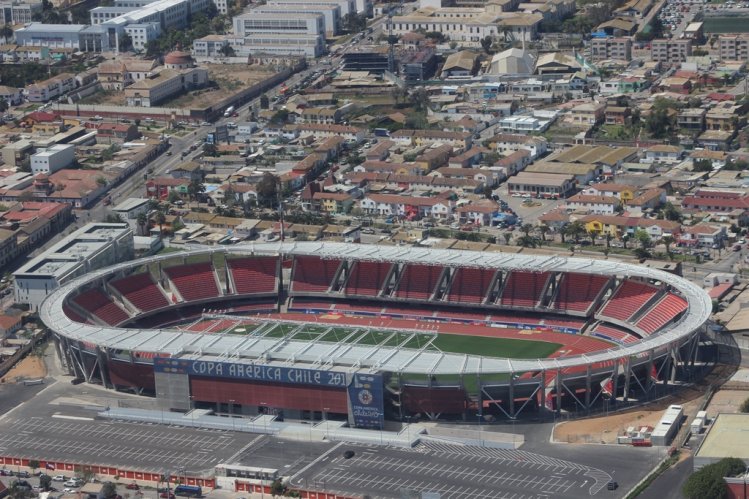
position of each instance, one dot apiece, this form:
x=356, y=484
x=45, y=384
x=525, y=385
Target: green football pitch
x=449, y=343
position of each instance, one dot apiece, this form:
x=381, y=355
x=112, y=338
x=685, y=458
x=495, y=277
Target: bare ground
x=30, y=367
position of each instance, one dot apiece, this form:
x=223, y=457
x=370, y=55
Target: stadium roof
x=343, y=356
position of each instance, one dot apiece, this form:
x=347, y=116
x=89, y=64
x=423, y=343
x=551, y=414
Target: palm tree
x=507, y=236
x=667, y=241
x=161, y=220
x=526, y=229
x=543, y=229
x=575, y=230
x=195, y=189
x=6, y=32
x=625, y=238
x=592, y=236
x=142, y=221
x=609, y=237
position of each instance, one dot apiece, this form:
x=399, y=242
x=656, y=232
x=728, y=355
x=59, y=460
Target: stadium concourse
x=368, y=333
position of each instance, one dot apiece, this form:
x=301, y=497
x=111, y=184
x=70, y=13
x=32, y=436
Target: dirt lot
x=30, y=367
x=230, y=79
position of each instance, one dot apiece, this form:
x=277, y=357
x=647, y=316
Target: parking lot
x=60, y=424
x=459, y=472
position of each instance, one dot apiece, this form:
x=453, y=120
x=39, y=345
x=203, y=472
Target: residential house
x=617, y=115
x=703, y=235
x=663, y=153
x=600, y=205
x=479, y=213
x=506, y=143
x=589, y=113
x=332, y=202
x=691, y=118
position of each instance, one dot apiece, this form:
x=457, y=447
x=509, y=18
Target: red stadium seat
x=523, y=289
x=577, y=292
x=141, y=291
x=195, y=281
x=417, y=282
x=96, y=302
x=470, y=285
x=254, y=275
x=367, y=278
x=661, y=313
x=313, y=275
x=628, y=299
x=613, y=333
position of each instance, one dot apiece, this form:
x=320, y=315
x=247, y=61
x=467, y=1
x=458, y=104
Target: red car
x=166, y=495
x=132, y=486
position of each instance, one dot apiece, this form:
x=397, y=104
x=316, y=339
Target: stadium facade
x=172, y=326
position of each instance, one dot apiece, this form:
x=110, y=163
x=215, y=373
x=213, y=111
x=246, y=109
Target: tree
x=277, y=488
x=667, y=241
x=708, y=482
x=702, y=165
x=227, y=51
x=264, y=102
x=507, y=236
x=625, y=238
x=354, y=22
x=671, y=212
x=153, y=48
x=526, y=229
x=142, y=220
x=45, y=482
x=643, y=238
x=6, y=32
x=161, y=220
x=210, y=149
x=528, y=241
x=575, y=230
x=267, y=189
x=126, y=42
x=420, y=99
x=744, y=406
x=108, y=490
x=195, y=189
x=543, y=229
x=3, y=105
x=33, y=464
x=486, y=44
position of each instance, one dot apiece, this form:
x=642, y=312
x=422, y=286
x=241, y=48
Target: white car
x=59, y=478
x=73, y=482
x=69, y=490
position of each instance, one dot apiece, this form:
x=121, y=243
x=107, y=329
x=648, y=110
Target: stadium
x=367, y=333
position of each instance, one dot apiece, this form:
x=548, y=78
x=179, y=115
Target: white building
x=331, y=14
x=11, y=95
x=91, y=247
x=129, y=210
x=46, y=90
x=346, y=6
x=253, y=23
x=50, y=35
x=14, y=12
x=281, y=44
x=54, y=158
x=141, y=34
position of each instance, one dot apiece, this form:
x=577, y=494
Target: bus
x=188, y=491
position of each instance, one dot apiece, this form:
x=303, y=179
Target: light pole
x=231, y=412
x=481, y=439
x=265, y=412
x=192, y=408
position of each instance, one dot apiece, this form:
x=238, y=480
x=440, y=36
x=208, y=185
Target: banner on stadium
x=250, y=372
x=366, y=401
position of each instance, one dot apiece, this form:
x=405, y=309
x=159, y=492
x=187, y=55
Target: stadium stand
x=72, y=314
x=367, y=278
x=96, y=302
x=141, y=291
x=661, y=313
x=577, y=292
x=613, y=333
x=253, y=275
x=313, y=275
x=470, y=285
x=417, y=282
x=195, y=281
x=627, y=300
x=523, y=289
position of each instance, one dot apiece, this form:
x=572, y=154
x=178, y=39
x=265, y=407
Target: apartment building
x=346, y=6
x=51, y=88
x=619, y=49
x=161, y=86
x=670, y=51
x=734, y=47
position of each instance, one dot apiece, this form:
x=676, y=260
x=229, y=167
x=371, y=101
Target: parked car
x=73, y=482
x=23, y=474
x=59, y=478
x=166, y=495
x=132, y=486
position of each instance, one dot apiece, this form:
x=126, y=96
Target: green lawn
x=495, y=347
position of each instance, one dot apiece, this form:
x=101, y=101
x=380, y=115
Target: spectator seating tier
x=367, y=278
x=665, y=310
x=523, y=289
x=254, y=275
x=417, y=282
x=577, y=292
x=613, y=333
x=313, y=275
x=470, y=285
x=141, y=291
x=628, y=299
x=195, y=281
x=99, y=304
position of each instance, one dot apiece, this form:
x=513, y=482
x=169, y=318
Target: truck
x=229, y=111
